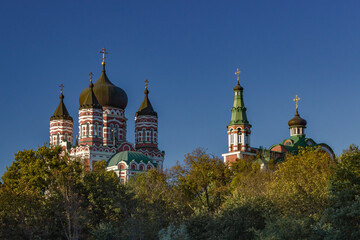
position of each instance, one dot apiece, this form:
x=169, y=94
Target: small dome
x=106, y=93
x=238, y=87
x=297, y=121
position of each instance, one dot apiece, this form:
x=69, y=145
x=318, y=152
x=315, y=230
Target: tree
x=300, y=185
x=343, y=214
x=203, y=181
x=157, y=204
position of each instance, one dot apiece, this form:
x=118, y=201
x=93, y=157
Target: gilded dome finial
x=61, y=88
x=103, y=51
x=296, y=100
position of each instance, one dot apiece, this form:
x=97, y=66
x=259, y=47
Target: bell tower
x=90, y=118
x=146, y=130
x=239, y=128
x=61, y=124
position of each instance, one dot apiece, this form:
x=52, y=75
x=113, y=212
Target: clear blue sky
x=189, y=51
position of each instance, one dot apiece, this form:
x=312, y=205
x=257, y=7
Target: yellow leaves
x=300, y=185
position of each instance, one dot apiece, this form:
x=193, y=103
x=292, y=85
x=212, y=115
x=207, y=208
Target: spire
x=145, y=107
x=238, y=111
x=90, y=100
x=61, y=112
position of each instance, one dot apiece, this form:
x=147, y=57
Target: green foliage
x=45, y=195
x=343, y=214
x=203, y=181
x=105, y=231
x=173, y=232
x=300, y=185
x=289, y=228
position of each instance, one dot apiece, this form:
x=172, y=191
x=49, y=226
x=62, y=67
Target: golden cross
x=146, y=83
x=103, y=51
x=237, y=73
x=61, y=88
x=91, y=75
x=296, y=100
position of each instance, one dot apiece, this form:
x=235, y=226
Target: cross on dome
x=237, y=73
x=91, y=76
x=296, y=100
x=103, y=51
x=61, y=88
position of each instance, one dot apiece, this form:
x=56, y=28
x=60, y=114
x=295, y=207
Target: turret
x=61, y=125
x=146, y=124
x=297, y=124
x=90, y=117
x=146, y=130
x=239, y=127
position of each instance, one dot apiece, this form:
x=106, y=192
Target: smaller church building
x=239, y=135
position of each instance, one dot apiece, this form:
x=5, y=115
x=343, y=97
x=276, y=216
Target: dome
x=297, y=121
x=238, y=87
x=106, y=93
x=128, y=157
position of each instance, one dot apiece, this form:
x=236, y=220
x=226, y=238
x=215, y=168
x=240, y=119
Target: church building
x=239, y=132
x=102, y=133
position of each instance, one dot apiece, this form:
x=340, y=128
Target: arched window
x=149, y=167
x=141, y=167
x=144, y=135
x=231, y=137
x=152, y=135
x=58, y=139
x=66, y=137
x=87, y=129
x=96, y=129
x=239, y=135
x=133, y=166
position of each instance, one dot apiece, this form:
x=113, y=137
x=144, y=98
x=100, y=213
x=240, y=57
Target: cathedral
x=102, y=129
x=239, y=132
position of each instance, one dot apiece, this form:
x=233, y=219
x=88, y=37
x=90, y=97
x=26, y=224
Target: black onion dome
x=238, y=87
x=146, y=107
x=297, y=121
x=107, y=93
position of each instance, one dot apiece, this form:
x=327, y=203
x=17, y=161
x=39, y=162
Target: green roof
x=300, y=141
x=128, y=157
x=238, y=111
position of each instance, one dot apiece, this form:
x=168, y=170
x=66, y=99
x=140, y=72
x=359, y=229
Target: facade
x=239, y=132
x=102, y=131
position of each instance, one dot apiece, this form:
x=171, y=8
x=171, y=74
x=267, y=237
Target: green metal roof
x=128, y=156
x=238, y=111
